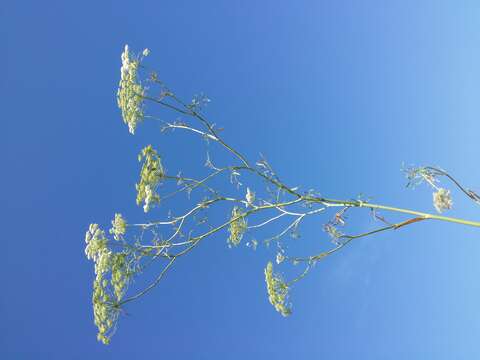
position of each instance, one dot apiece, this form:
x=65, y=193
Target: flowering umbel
x=119, y=227
x=130, y=91
x=238, y=226
x=277, y=291
x=107, y=294
x=442, y=200
x=150, y=176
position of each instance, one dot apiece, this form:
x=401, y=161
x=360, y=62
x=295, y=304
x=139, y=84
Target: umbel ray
x=128, y=249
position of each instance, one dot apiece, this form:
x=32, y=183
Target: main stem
x=329, y=202
x=423, y=215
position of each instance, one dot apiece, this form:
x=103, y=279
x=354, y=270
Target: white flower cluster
x=150, y=176
x=442, y=200
x=130, y=91
x=280, y=258
x=237, y=228
x=277, y=291
x=106, y=294
x=149, y=198
x=96, y=244
x=119, y=227
x=120, y=275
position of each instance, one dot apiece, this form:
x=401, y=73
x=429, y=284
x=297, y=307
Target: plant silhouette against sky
x=127, y=249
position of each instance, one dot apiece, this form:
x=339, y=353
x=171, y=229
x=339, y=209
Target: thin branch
x=266, y=222
x=152, y=285
x=471, y=194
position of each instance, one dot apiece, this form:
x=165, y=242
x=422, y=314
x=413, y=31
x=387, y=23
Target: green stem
x=424, y=215
x=332, y=202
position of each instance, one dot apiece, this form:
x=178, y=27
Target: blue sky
x=335, y=94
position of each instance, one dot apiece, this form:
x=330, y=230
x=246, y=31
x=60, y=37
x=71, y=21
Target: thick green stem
x=332, y=202
x=423, y=215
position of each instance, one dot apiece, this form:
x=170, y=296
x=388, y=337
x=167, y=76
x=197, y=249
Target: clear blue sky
x=336, y=94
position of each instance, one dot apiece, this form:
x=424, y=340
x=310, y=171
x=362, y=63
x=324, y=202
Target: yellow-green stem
x=332, y=202
x=422, y=214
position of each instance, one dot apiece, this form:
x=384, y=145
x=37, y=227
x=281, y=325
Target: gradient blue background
x=336, y=94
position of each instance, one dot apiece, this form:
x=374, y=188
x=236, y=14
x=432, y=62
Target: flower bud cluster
x=150, y=176
x=238, y=226
x=130, y=91
x=442, y=200
x=277, y=291
x=107, y=293
x=119, y=227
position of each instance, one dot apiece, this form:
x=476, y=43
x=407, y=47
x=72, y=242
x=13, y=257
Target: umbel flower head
x=150, y=176
x=130, y=91
x=107, y=293
x=96, y=243
x=442, y=200
x=238, y=226
x=119, y=227
x=277, y=291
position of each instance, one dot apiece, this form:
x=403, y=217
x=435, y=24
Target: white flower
x=150, y=176
x=103, y=261
x=238, y=226
x=277, y=291
x=148, y=198
x=442, y=200
x=119, y=227
x=111, y=280
x=130, y=91
x=250, y=197
x=280, y=258
x=146, y=52
x=96, y=242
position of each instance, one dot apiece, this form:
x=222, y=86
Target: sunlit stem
x=362, y=204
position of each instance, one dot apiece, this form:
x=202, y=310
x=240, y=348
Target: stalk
x=423, y=215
